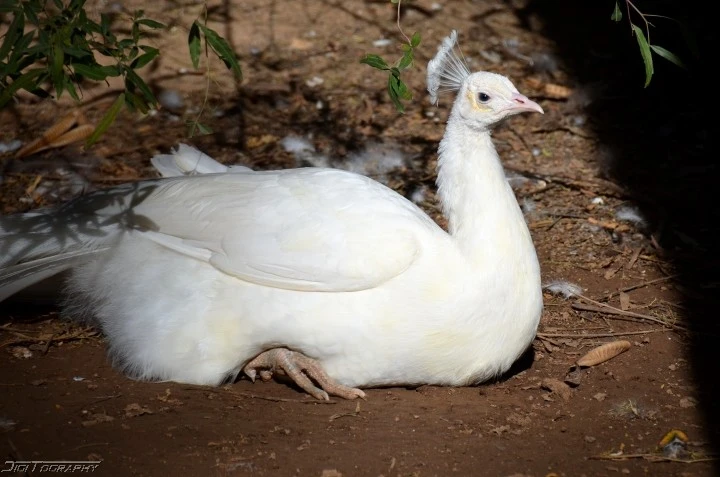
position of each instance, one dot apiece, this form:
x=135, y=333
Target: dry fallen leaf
x=624, y=301
x=557, y=387
x=604, y=353
x=135, y=409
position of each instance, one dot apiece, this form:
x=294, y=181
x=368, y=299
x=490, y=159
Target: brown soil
x=609, y=145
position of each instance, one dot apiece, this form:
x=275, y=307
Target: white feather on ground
x=563, y=288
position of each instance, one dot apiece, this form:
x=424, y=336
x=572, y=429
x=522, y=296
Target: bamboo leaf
x=194, y=45
x=106, y=120
x=645, y=53
x=616, y=14
x=221, y=47
x=28, y=81
x=15, y=30
x=668, y=55
x=136, y=80
x=150, y=23
x=145, y=58
x=92, y=72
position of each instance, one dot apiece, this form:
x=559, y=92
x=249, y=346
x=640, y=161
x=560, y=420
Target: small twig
x=398, y=22
x=638, y=285
x=102, y=399
x=265, y=398
x=354, y=413
x=279, y=399
x=599, y=335
x=651, y=457
x=611, y=310
x=91, y=444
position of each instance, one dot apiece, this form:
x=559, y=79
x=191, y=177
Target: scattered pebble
x=10, y=146
x=382, y=42
x=599, y=396
x=630, y=214
x=688, y=402
x=314, y=81
x=78, y=379
x=21, y=352
x=589, y=439
x=598, y=201
x=7, y=424
x=171, y=99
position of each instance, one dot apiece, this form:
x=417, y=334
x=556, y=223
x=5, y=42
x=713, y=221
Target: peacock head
x=483, y=98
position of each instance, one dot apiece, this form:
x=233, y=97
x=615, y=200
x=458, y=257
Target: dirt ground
x=616, y=182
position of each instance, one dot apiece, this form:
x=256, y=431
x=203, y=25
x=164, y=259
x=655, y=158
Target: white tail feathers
x=187, y=161
x=446, y=70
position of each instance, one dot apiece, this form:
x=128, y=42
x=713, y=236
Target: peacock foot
x=300, y=369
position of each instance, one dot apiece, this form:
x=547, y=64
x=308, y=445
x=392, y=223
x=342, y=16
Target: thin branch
x=611, y=310
x=639, y=285
x=599, y=335
x=398, y=22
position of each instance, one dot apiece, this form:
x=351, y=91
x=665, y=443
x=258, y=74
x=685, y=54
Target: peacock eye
x=483, y=97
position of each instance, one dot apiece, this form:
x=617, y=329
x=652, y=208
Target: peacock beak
x=520, y=104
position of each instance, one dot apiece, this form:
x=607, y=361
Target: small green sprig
x=397, y=89
x=643, y=38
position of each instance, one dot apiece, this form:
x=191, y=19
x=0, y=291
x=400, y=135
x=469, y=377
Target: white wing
x=302, y=229
x=187, y=161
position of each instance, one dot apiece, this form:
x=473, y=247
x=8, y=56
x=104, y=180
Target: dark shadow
x=660, y=144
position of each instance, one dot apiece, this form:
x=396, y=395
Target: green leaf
x=145, y=58
x=56, y=72
x=136, y=80
x=375, y=61
x=645, y=53
x=70, y=87
x=104, y=24
x=134, y=101
x=150, y=23
x=92, y=72
x=404, y=91
x=106, y=120
x=406, y=60
x=15, y=31
x=415, y=40
x=616, y=14
x=112, y=70
x=28, y=81
x=222, y=49
x=194, y=45
x=393, y=87
x=668, y=55
x=199, y=127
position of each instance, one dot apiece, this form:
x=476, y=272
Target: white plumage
x=194, y=278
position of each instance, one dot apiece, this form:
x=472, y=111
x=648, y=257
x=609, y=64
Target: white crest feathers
x=446, y=70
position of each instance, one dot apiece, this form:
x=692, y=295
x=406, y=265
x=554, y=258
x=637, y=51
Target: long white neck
x=484, y=217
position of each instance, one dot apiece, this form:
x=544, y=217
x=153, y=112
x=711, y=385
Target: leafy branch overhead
x=643, y=38
x=397, y=89
x=51, y=47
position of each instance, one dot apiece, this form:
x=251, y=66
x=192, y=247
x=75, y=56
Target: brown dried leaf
x=557, y=91
x=135, y=409
x=604, y=353
x=624, y=301
x=558, y=387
